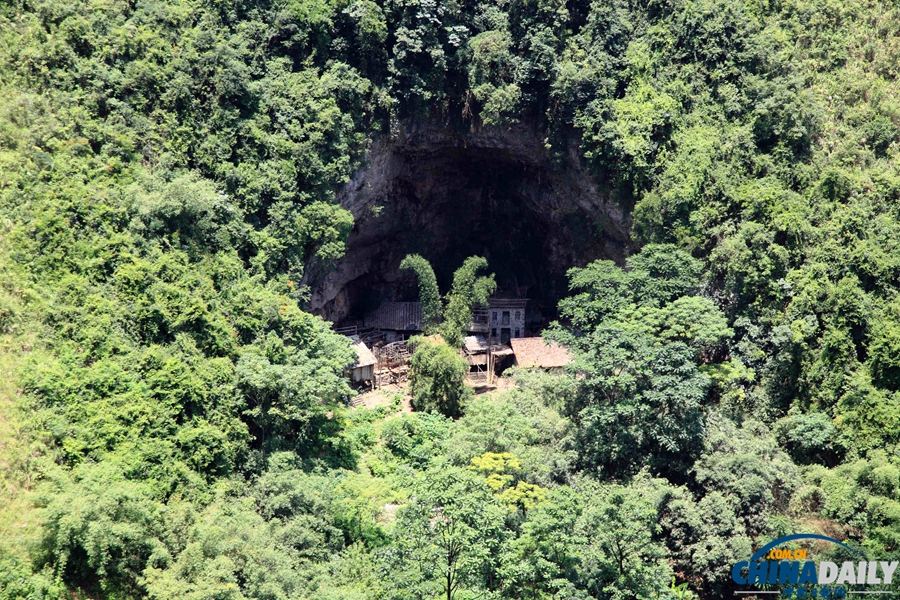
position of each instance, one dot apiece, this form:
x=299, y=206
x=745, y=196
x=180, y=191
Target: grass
x=18, y=524
x=18, y=518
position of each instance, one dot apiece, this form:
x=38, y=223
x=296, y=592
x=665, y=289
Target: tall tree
x=448, y=535
x=437, y=378
x=639, y=342
x=429, y=294
x=469, y=290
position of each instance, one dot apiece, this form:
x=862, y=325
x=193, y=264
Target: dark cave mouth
x=489, y=222
x=448, y=199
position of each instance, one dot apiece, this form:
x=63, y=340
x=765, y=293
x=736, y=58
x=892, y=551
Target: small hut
x=364, y=369
x=475, y=345
x=485, y=359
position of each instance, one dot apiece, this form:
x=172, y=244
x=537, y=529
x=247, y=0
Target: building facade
x=506, y=319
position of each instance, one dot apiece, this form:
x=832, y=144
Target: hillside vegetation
x=174, y=424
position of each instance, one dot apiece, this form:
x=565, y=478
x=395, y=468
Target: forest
x=175, y=423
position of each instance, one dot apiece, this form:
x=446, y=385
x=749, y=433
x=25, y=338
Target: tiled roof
x=498, y=303
x=535, y=352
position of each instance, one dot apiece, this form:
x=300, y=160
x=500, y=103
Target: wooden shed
x=364, y=369
x=396, y=316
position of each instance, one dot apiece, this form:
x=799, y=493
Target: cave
x=447, y=194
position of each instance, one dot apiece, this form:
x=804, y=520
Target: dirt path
x=384, y=396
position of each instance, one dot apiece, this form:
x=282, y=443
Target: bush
x=437, y=378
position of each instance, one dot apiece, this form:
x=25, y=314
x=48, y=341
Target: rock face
x=448, y=194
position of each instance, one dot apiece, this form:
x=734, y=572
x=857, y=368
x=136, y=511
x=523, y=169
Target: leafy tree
x=228, y=550
x=546, y=557
x=447, y=535
x=620, y=558
x=640, y=343
x=492, y=76
x=417, y=437
x=809, y=438
x=437, y=375
x=704, y=537
x=358, y=504
x=429, y=294
x=746, y=465
x=885, y=350
x=639, y=404
x=287, y=391
x=501, y=470
x=520, y=422
x=469, y=291
x=590, y=540
x=99, y=529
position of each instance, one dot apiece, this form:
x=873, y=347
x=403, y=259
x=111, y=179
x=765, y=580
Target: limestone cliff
x=448, y=193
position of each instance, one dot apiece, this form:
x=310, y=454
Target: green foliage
x=417, y=438
x=359, y=506
x=589, y=541
x=704, y=537
x=167, y=179
x=492, y=76
x=99, y=527
x=884, y=351
x=522, y=421
x=545, y=558
x=497, y=468
x=621, y=559
x=468, y=292
x=231, y=552
x=746, y=465
x=809, y=438
x=640, y=343
x=287, y=390
x=859, y=493
x=437, y=375
x=429, y=294
x=447, y=535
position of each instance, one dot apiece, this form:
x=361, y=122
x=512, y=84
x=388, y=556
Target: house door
x=504, y=335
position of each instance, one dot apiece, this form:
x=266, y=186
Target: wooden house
x=397, y=319
x=364, y=368
x=485, y=359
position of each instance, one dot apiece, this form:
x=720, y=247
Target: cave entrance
x=448, y=195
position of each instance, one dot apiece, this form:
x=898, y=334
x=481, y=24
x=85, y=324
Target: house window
x=494, y=315
x=518, y=317
x=505, y=317
x=494, y=332
x=517, y=333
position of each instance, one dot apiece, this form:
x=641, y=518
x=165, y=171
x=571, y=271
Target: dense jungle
x=175, y=416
